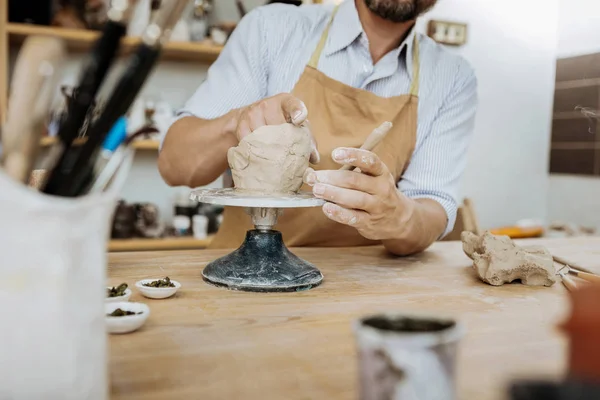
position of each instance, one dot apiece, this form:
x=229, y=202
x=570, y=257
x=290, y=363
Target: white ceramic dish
x=128, y=323
x=157, y=293
x=119, y=299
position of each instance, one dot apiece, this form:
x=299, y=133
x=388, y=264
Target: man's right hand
x=275, y=110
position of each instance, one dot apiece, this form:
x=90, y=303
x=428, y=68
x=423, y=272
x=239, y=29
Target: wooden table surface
x=211, y=343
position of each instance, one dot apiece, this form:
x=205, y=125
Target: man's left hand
x=367, y=200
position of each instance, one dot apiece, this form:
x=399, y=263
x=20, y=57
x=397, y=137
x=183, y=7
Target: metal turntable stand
x=262, y=263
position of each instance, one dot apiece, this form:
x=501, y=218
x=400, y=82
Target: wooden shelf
x=576, y=84
x=138, y=144
x=186, y=243
x=82, y=40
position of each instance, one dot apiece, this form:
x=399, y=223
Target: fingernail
x=328, y=208
x=321, y=176
x=296, y=115
x=339, y=154
x=319, y=189
x=311, y=178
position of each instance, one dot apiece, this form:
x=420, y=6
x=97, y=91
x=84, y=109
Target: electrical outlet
x=445, y=32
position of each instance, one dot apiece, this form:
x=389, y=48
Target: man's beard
x=399, y=10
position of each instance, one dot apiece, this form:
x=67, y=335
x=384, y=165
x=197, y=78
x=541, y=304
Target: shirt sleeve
x=238, y=77
x=438, y=164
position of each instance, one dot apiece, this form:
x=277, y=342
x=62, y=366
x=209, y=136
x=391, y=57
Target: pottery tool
x=372, y=140
x=105, y=49
x=34, y=81
x=579, y=274
x=262, y=263
x=73, y=178
x=562, y=261
x=569, y=282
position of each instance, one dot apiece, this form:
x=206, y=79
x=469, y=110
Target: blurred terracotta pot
x=583, y=328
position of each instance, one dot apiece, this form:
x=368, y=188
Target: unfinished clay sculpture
x=272, y=159
x=498, y=260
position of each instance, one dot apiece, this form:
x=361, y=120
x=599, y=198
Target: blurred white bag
x=52, y=290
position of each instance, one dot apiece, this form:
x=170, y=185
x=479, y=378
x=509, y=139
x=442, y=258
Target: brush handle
x=120, y=100
x=102, y=56
x=569, y=283
x=32, y=89
x=372, y=140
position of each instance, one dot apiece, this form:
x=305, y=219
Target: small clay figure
x=272, y=159
x=498, y=260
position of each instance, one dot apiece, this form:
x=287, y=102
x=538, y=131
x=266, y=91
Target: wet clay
x=272, y=159
x=498, y=260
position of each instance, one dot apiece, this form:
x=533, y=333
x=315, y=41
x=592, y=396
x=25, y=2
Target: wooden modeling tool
x=567, y=280
x=32, y=88
x=579, y=274
x=372, y=140
x=572, y=265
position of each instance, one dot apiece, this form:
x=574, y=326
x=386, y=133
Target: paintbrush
x=75, y=177
x=372, y=140
x=33, y=85
x=94, y=72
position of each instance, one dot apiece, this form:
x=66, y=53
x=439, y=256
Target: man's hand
x=275, y=110
x=368, y=201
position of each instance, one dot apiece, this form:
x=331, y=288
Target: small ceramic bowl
x=157, y=293
x=118, y=299
x=128, y=323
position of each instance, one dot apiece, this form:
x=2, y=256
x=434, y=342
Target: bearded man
x=344, y=69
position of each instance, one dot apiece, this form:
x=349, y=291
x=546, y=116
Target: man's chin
x=399, y=10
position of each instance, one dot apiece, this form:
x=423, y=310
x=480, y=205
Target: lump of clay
x=272, y=159
x=498, y=260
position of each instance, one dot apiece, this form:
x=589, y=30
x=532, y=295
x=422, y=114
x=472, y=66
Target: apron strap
x=416, y=61
x=314, y=59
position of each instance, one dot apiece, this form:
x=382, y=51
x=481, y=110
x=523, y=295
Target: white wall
x=578, y=27
x=512, y=46
x=572, y=198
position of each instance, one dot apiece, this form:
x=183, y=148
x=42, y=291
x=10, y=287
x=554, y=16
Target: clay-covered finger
x=368, y=162
x=343, y=215
x=349, y=198
x=293, y=109
x=348, y=180
x=309, y=177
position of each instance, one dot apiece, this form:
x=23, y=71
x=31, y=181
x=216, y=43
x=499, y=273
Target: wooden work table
x=211, y=343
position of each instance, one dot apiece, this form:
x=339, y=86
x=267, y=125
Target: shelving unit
x=120, y=245
x=81, y=40
x=138, y=144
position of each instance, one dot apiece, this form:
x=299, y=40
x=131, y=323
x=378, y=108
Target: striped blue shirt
x=269, y=49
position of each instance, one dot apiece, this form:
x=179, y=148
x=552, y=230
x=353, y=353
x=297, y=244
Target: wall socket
x=446, y=32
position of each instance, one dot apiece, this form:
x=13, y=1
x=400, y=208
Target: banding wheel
x=262, y=263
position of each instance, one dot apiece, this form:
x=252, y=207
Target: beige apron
x=340, y=116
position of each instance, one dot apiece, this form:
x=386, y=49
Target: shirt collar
x=346, y=29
